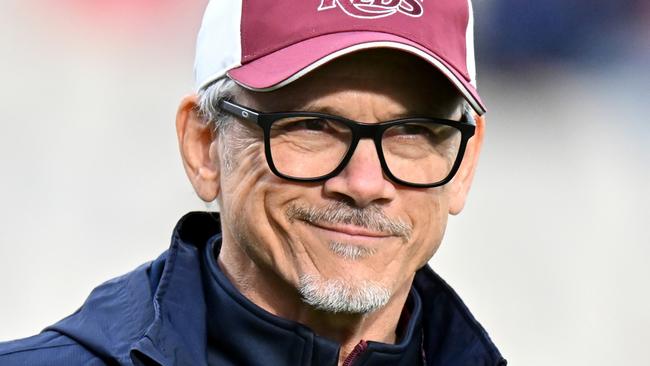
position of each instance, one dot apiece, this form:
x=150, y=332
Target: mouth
x=349, y=232
x=340, y=220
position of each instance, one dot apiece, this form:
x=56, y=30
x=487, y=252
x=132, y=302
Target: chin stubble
x=351, y=252
x=339, y=296
x=347, y=296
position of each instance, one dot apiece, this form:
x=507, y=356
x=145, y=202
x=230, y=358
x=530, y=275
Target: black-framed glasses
x=310, y=147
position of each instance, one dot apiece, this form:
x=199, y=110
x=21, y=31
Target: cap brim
x=286, y=65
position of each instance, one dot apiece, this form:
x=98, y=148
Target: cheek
x=241, y=172
x=241, y=189
x=253, y=211
x=430, y=221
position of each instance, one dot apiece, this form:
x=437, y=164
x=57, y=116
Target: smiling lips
x=351, y=231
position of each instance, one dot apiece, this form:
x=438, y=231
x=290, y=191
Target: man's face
x=356, y=237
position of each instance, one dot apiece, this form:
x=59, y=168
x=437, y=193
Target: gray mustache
x=341, y=212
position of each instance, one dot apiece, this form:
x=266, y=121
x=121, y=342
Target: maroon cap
x=266, y=44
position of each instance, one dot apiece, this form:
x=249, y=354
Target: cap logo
x=373, y=9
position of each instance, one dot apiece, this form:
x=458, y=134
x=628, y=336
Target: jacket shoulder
x=115, y=314
x=47, y=348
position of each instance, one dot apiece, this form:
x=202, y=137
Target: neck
x=267, y=290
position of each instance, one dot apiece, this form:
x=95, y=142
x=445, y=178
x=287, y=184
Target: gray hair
x=466, y=107
x=232, y=137
x=224, y=87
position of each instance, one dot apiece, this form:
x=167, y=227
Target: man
x=336, y=138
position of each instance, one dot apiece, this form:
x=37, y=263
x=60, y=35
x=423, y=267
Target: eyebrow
x=326, y=109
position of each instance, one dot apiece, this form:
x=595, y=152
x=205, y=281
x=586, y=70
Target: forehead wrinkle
x=381, y=108
x=362, y=106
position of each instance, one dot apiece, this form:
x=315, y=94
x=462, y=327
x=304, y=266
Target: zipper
x=356, y=352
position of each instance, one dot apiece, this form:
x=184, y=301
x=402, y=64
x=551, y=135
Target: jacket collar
x=177, y=335
x=254, y=336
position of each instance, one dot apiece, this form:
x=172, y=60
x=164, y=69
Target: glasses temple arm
x=245, y=113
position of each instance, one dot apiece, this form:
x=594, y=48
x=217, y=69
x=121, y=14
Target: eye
x=408, y=131
x=309, y=125
x=412, y=130
x=314, y=124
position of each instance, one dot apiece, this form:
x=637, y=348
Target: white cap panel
x=469, y=38
x=218, y=46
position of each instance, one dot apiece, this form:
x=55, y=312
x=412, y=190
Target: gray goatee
x=339, y=296
x=347, y=296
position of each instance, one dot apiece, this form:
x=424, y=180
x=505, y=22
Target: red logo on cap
x=372, y=9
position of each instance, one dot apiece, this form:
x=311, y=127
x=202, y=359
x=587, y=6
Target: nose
x=362, y=180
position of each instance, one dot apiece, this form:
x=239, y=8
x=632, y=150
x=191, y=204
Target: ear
x=198, y=149
x=459, y=187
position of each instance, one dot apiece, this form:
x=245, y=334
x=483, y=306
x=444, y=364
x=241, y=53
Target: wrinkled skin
x=264, y=253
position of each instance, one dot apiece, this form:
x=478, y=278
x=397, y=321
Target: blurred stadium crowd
x=591, y=33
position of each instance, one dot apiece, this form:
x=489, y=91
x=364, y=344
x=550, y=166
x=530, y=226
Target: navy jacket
x=157, y=315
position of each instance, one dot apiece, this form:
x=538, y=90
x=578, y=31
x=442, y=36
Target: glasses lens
x=421, y=152
x=308, y=147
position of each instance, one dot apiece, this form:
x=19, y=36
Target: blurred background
x=551, y=253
